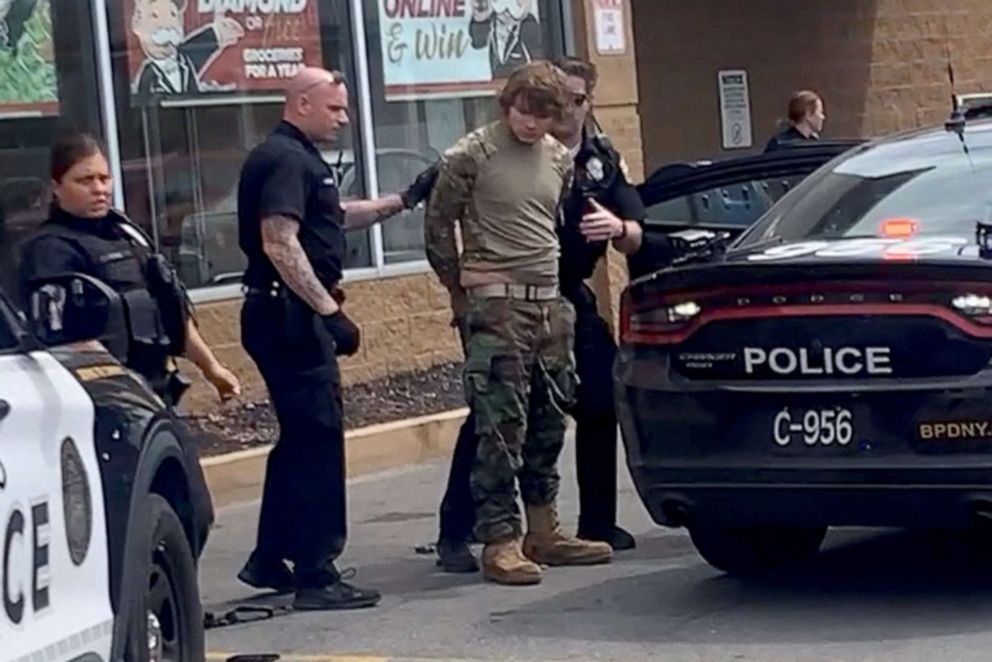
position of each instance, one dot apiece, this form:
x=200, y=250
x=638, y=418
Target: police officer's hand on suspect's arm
x=360, y=214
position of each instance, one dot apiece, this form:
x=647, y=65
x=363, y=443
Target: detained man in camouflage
x=504, y=184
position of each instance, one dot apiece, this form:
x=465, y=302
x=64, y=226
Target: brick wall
x=880, y=64
x=617, y=110
x=405, y=323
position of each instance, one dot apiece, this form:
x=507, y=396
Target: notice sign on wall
x=28, y=80
x=608, y=23
x=735, y=109
x=189, y=48
x=455, y=48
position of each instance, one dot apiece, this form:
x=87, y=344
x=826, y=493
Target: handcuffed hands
x=347, y=336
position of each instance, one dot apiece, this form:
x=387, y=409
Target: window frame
x=563, y=40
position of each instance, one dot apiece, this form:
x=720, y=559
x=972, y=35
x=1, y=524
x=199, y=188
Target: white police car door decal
x=54, y=585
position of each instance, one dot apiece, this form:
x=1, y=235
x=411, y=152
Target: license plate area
x=808, y=429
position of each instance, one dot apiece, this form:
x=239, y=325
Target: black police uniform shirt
x=599, y=175
x=286, y=176
x=784, y=138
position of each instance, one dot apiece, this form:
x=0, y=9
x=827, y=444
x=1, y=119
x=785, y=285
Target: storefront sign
x=735, y=109
x=184, y=49
x=28, y=81
x=608, y=23
x=455, y=48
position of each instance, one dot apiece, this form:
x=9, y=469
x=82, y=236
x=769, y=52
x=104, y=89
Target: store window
x=198, y=84
x=434, y=69
x=48, y=83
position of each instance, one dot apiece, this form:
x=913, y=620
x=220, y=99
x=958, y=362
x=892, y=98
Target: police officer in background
x=805, y=121
x=602, y=208
x=83, y=234
x=292, y=228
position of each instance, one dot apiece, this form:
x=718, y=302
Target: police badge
x=594, y=167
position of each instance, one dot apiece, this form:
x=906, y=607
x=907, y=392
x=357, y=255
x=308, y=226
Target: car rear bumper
x=712, y=453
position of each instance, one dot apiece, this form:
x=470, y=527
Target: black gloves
x=421, y=187
x=347, y=337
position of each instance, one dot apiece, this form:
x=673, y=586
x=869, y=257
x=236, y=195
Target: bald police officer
x=292, y=229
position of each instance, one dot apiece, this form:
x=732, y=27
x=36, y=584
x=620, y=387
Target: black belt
x=273, y=290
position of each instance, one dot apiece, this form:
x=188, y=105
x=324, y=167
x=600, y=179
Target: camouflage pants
x=519, y=380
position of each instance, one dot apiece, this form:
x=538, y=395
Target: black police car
x=103, y=505
x=832, y=366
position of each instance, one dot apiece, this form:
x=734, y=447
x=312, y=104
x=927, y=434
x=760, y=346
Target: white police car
x=103, y=505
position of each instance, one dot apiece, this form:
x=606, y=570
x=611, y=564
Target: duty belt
x=272, y=290
x=515, y=291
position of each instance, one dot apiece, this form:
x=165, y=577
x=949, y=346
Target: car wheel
x=166, y=623
x=756, y=550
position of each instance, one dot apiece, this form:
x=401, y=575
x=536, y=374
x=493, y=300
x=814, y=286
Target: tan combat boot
x=504, y=563
x=546, y=543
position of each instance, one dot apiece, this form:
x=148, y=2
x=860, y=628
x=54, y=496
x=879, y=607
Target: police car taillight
x=645, y=324
x=976, y=306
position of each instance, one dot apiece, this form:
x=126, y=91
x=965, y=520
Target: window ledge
x=234, y=291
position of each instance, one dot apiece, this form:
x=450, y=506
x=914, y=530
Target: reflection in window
x=48, y=83
x=433, y=79
x=191, y=107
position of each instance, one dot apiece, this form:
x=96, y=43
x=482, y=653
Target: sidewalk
x=425, y=613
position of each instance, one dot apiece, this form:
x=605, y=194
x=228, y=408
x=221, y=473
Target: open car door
x=721, y=196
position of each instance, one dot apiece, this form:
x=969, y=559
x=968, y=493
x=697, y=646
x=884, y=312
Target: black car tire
x=171, y=592
x=756, y=550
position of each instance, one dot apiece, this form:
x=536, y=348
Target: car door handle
x=4, y=409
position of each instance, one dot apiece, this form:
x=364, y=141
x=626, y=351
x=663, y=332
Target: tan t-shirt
x=507, y=197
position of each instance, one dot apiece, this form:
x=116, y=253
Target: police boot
x=546, y=543
x=503, y=562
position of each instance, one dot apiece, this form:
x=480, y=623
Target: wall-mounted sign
x=607, y=18
x=735, y=109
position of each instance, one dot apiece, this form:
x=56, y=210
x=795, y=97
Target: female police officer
x=84, y=235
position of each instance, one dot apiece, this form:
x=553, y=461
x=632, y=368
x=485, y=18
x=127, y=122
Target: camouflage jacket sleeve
x=447, y=205
x=566, y=166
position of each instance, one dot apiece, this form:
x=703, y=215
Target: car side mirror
x=74, y=308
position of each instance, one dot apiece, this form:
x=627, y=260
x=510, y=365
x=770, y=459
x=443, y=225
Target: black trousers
x=304, y=517
x=595, y=437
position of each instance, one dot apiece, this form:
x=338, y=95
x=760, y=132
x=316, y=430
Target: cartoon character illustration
x=511, y=32
x=174, y=61
x=14, y=14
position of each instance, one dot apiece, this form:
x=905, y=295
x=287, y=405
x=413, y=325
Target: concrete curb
x=237, y=477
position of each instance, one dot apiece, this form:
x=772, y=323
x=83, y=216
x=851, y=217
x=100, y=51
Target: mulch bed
x=253, y=424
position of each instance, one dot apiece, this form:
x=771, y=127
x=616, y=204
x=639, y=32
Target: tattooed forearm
x=360, y=214
x=281, y=244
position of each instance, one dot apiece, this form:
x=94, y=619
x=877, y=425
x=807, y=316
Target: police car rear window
x=944, y=190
